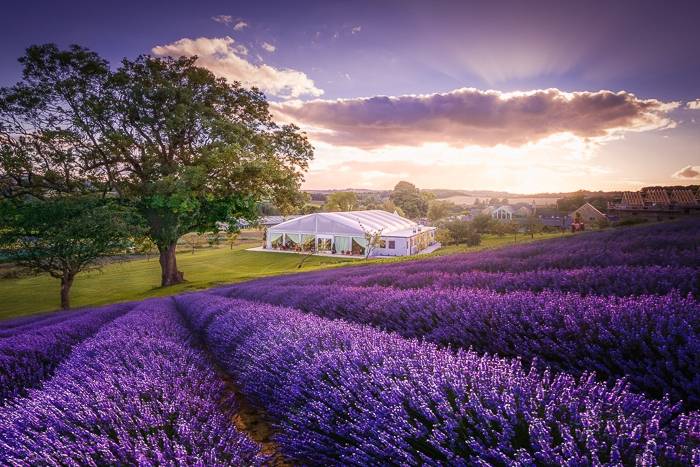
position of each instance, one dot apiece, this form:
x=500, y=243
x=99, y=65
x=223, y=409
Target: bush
x=463, y=233
x=630, y=221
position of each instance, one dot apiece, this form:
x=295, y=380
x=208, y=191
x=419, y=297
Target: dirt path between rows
x=249, y=418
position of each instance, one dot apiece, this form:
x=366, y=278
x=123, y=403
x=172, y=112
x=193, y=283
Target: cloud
x=224, y=59
x=690, y=172
x=355, y=29
x=223, y=19
x=470, y=116
x=240, y=25
x=268, y=47
x=694, y=105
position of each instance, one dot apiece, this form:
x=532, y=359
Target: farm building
x=588, y=214
x=507, y=213
x=656, y=204
x=345, y=233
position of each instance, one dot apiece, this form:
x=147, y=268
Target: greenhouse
x=349, y=233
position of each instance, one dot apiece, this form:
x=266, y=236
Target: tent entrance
x=324, y=243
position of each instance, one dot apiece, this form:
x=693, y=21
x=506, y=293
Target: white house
x=503, y=213
x=587, y=214
x=344, y=233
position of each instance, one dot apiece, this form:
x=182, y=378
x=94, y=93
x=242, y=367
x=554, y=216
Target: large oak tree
x=185, y=148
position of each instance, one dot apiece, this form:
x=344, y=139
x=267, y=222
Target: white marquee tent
x=345, y=233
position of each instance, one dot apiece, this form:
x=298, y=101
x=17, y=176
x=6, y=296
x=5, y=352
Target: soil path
x=249, y=418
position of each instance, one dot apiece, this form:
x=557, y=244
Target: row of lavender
x=653, y=341
x=344, y=393
x=137, y=393
x=33, y=348
x=653, y=259
x=612, y=280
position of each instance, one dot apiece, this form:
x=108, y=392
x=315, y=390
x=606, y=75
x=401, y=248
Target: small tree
x=389, y=206
x=145, y=246
x=463, y=233
x=502, y=228
x=341, y=201
x=444, y=236
x=191, y=240
x=533, y=225
x=65, y=236
x=438, y=210
x=406, y=196
x=482, y=223
x=373, y=239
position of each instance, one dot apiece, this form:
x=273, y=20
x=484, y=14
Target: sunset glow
x=509, y=96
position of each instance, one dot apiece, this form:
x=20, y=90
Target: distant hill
x=467, y=197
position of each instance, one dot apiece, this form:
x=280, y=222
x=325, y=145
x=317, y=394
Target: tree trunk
x=168, y=265
x=66, y=283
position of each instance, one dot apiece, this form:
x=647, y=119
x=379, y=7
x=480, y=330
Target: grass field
x=138, y=279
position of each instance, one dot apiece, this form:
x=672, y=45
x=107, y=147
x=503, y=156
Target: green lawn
x=135, y=280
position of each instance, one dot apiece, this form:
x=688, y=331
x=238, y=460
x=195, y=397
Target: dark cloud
x=688, y=172
x=471, y=116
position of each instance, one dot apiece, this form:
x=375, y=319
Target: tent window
x=325, y=244
x=293, y=240
x=276, y=240
x=342, y=245
x=392, y=244
x=359, y=244
x=308, y=242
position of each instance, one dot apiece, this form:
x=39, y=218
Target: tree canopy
x=409, y=199
x=341, y=201
x=185, y=148
x=63, y=236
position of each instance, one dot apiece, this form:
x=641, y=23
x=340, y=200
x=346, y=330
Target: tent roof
x=346, y=223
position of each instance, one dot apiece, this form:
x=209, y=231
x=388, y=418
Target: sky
x=525, y=97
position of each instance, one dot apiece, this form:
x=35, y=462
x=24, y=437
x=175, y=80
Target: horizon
x=535, y=98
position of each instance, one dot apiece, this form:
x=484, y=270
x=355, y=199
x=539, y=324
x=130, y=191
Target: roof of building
x=505, y=208
x=524, y=211
x=351, y=223
x=266, y=220
x=632, y=198
x=588, y=207
x=684, y=197
x=658, y=196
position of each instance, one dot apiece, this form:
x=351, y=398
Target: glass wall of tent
x=359, y=246
x=348, y=245
x=308, y=242
x=292, y=241
x=276, y=240
x=342, y=245
x=325, y=244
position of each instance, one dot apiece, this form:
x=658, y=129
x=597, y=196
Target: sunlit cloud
x=268, y=47
x=354, y=30
x=554, y=164
x=223, y=19
x=470, y=116
x=240, y=25
x=694, y=105
x=226, y=59
x=690, y=172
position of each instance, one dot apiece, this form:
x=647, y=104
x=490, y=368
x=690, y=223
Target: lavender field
x=577, y=351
